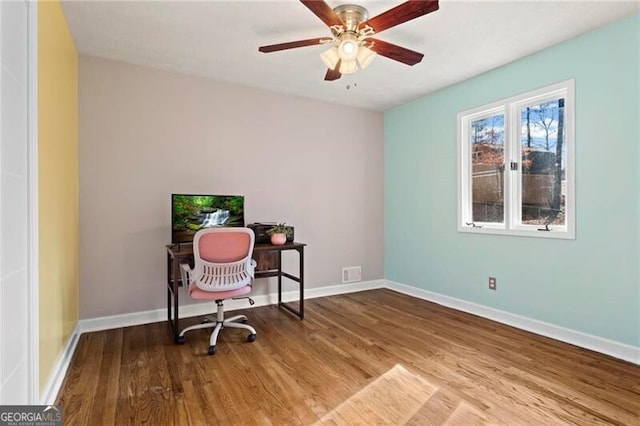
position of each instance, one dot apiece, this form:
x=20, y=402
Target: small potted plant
x=279, y=234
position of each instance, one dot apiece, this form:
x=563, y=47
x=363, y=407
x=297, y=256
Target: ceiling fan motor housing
x=352, y=15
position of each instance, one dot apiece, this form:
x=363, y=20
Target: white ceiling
x=220, y=40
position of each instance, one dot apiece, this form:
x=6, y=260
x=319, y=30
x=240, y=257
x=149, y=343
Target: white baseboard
x=577, y=338
x=59, y=371
x=203, y=308
x=587, y=341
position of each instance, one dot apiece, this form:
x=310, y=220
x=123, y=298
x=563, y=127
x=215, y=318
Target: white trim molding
x=33, y=366
x=577, y=338
x=59, y=370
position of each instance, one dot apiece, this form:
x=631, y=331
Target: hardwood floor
x=374, y=357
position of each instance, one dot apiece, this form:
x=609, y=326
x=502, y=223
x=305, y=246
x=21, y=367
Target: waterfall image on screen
x=191, y=213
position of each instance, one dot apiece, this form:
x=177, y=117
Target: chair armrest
x=252, y=268
x=185, y=272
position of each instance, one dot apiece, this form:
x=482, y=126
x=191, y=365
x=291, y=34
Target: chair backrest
x=222, y=258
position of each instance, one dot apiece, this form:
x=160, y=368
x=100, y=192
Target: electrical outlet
x=492, y=283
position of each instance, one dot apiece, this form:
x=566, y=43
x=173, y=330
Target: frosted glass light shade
x=348, y=48
x=348, y=67
x=365, y=56
x=331, y=57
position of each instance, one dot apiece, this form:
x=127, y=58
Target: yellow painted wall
x=58, y=184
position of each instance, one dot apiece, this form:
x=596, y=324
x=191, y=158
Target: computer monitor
x=192, y=212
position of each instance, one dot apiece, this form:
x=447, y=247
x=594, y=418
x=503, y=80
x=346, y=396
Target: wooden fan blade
x=333, y=74
x=395, y=52
x=402, y=13
x=293, y=44
x=323, y=11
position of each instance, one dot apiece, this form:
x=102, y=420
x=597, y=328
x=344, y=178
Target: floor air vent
x=351, y=274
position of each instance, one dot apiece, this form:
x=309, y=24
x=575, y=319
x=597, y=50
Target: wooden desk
x=268, y=258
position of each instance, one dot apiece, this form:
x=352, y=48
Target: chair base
x=217, y=325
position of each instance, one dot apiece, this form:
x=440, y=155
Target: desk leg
x=176, y=290
x=300, y=280
x=172, y=289
x=301, y=256
x=169, y=284
x=279, y=278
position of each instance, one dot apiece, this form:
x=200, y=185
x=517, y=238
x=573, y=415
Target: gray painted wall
x=145, y=134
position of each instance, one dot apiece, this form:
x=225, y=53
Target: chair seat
x=198, y=294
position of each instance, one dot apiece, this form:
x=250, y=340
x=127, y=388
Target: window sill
x=561, y=234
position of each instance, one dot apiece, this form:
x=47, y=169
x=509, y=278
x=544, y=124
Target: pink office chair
x=223, y=269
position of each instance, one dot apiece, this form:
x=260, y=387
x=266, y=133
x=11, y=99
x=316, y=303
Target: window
x=516, y=165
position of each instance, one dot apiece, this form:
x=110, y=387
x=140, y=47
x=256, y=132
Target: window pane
x=544, y=159
x=487, y=161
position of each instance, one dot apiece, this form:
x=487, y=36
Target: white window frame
x=511, y=108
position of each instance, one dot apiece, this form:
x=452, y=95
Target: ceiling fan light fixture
x=348, y=47
x=330, y=57
x=348, y=67
x=365, y=56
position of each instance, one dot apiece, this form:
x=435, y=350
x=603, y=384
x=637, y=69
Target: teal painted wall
x=590, y=284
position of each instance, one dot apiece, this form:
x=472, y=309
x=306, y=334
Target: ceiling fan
x=352, y=30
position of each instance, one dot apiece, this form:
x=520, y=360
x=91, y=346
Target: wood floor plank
x=83, y=380
x=374, y=357
x=111, y=360
x=195, y=411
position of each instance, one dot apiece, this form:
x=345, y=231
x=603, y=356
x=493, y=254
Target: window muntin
x=516, y=165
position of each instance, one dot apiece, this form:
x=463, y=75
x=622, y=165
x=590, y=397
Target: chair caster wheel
x=212, y=350
x=251, y=338
x=180, y=340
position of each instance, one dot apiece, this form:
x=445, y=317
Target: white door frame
x=33, y=341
